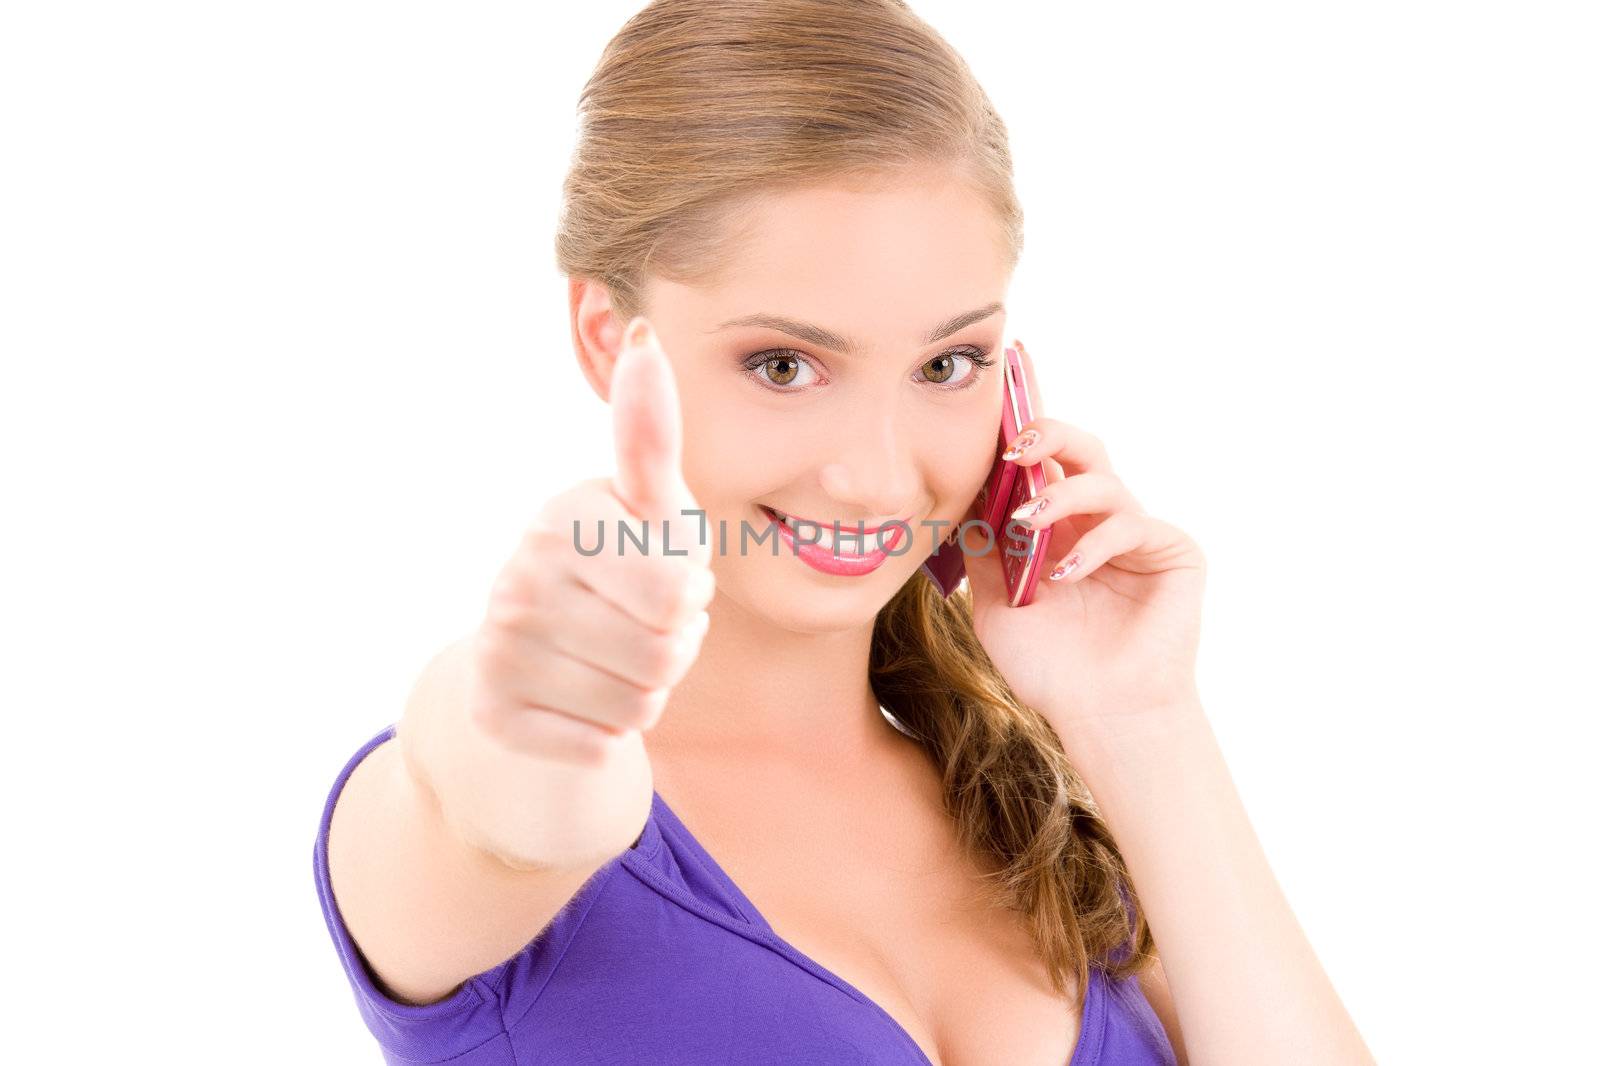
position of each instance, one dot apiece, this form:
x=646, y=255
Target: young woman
x=720, y=801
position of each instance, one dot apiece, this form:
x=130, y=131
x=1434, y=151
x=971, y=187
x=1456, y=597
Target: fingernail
x=1023, y=442
x=1066, y=566
x=639, y=333
x=1031, y=508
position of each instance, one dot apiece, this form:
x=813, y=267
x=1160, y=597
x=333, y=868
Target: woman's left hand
x=1117, y=636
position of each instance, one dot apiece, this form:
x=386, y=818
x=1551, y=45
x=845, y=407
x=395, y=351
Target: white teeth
x=851, y=543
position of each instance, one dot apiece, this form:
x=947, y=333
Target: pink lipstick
x=831, y=559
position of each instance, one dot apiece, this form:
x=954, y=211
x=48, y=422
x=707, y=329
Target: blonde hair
x=696, y=109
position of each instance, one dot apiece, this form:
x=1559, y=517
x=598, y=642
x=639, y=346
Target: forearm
x=1246, y=983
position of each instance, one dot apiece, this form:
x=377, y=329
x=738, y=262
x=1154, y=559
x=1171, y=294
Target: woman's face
x=876, y=408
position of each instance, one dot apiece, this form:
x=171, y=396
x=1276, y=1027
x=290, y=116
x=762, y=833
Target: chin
x=821, y=612
x=798, y=599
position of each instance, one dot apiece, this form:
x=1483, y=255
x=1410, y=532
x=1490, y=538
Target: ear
x=596, y=333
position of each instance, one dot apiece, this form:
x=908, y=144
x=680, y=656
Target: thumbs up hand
x=579, y=650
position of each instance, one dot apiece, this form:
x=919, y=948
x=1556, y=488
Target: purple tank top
x=660, y=959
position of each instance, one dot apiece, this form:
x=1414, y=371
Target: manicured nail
x=1066, y=566
x=639, y=334
x=1031, y=508
x=1023, y=442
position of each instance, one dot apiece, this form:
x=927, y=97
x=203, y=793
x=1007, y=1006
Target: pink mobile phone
x=1010, y=485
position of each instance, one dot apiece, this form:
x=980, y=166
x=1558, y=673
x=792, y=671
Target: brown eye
x=778, y=368
x=938, y=377
x=784, y=379
x=940, y=370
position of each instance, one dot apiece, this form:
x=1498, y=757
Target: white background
x=286, y=361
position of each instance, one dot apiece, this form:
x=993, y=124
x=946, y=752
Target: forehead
x=902, y=254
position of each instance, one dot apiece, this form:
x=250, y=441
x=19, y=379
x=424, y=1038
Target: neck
x=759, y=693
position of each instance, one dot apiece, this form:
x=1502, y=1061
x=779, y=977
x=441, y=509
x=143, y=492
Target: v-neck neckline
x=1092, y=1006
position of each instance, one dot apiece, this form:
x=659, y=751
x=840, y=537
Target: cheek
x=965, y=448
x=733, y=451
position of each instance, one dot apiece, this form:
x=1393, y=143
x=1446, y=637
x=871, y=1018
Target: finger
x=648, y=427
x=553, y=681
x=1076, y=494
x=591, y=537
x=518, y=664
x=663, y=596
x=598, y=632
x=550, y=735
x=1136, y=542
x=1076, y=450
x=559, y=611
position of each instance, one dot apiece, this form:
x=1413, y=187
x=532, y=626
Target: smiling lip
x=832, y=561
x=849, y=527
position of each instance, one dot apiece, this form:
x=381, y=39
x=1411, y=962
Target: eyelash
x=979, y=357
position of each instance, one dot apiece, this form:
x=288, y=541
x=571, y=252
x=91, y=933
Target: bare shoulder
x=426, y=910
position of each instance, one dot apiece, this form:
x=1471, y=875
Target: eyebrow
x=825, y=338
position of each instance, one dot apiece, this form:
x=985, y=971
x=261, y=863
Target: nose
x=874, y=469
